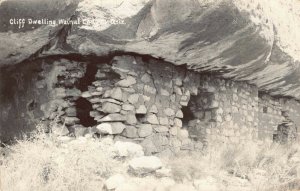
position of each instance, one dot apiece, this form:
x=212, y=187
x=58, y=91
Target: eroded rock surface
x=240, y=40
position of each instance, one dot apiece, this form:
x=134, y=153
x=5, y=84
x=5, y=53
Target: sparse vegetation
x=46, y=162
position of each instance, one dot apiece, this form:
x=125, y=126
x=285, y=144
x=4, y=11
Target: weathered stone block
x=134, y=98
x=152, y=119
x=163, y=121
x=131, y=119
x=111, y=108
x=113, y=117
x=169, y=112
x=145, y=130
x=129, y=81
x=153, y=109
x=130, y=132
x=141, y=110
x=111, y=128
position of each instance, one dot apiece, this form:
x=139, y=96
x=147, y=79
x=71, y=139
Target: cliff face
x=256, y=42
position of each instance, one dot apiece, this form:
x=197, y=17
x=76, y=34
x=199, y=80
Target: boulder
x=114, y=182
x=128, y=149
x=60, y=130
x=144, y=165
x=111, y=128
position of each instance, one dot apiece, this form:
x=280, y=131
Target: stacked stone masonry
x=163, y=107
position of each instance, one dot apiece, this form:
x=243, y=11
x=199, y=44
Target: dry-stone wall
x=163, y=107
x=270, y=116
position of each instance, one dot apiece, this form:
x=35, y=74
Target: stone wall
x=229, y=107
x=270, y=116
x=163, y=107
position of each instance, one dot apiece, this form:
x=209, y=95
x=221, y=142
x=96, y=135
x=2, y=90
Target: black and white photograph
x=149, y=95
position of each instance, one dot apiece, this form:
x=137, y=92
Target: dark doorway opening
x=89, y=77
x=187, y=115
x=84, y=107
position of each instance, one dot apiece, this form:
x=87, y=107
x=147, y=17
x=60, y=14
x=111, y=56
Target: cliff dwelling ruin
x=163, y=107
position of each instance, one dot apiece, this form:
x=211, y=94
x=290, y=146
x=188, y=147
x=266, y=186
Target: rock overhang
x=230, y=38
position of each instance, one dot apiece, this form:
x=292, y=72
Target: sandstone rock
x=86, y=94
x=111, y=128
x=73, y=92
x=80, y=131
x=184, y=103
x=99, y=89
x=173, y=131
x=127, y=107
x=179, y=114
x=59, y=93
x=131, y=119
x=130, y=132
x=145, y=130
x=111, y=108
x=149, y=146
x=133, y=98
x=183, y=134
x=164, y=92
x=163, y=121
x=129, y=81
x=177, y=122
x=144, y=165
x=96, y=93
x=95, y=100
x=146, y=78
x=114, y=181
x=116, y=93
x=149, y=89
x=152, y=119
x=112, y=117
x=178, y=81
x=161, y=129
x=110, y=101
x=71, y=120
x=178, y=91
x=60, y=130
x=214, y=104
x=153, y=109
x=132, y=73
x=169, y=112
x=95, y=114
x=128, y=149
x=141, y=110
x=71, y=112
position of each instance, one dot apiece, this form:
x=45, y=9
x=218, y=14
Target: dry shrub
x=45, y=163
x=262, y=166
